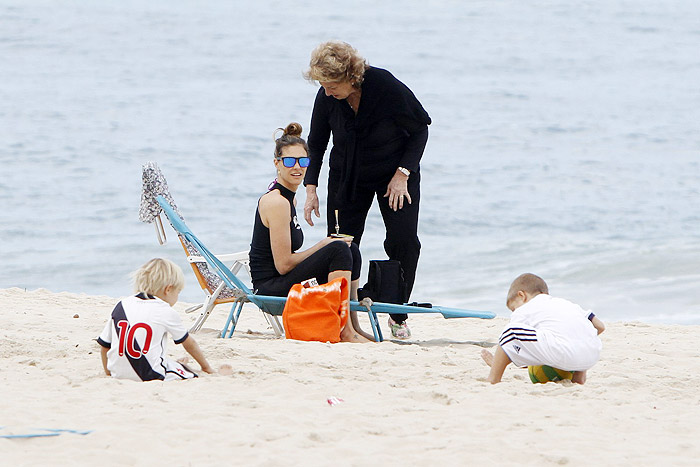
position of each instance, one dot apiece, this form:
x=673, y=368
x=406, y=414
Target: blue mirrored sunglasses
x=289, y=162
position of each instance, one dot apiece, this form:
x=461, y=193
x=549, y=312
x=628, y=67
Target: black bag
x=385, y=282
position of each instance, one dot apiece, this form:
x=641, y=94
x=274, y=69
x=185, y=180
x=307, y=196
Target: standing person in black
x=275, y=263
x=379, y=133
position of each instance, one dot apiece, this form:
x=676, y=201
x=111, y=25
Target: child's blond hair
x=154, y=276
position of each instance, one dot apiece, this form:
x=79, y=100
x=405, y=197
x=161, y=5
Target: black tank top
x=262, y=264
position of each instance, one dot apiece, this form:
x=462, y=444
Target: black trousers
x=336, y=256
x=401, y=241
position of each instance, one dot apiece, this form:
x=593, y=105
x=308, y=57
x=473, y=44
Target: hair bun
x=293, y=129
x=291, y=135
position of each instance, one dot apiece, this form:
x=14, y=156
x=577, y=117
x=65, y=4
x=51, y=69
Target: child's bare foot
x=226, y=370
x=487, y=356
x=579, y=377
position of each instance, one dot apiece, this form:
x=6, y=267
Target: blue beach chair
x=274, y=305
x=215, y=289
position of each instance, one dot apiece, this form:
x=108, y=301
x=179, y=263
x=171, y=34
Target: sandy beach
x=423, y=402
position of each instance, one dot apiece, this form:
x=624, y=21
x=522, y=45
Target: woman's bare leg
x=356, y=325
x=354, y=285
x=348, y=334
x=352, y=331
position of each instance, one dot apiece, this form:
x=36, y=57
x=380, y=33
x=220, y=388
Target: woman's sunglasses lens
x=289, y=162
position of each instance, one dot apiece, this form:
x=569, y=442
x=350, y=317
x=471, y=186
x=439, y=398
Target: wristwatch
x=405, y=171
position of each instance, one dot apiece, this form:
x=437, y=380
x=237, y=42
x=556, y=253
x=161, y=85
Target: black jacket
x=389, y=131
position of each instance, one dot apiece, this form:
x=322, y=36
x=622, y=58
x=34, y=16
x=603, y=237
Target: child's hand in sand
x=224, y=370
x=206, y=368
x=487, y=356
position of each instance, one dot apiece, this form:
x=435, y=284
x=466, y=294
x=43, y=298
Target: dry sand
x=419, y=403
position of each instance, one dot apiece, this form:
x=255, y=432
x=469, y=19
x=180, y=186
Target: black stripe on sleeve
x=184, y=338
x=104, y=344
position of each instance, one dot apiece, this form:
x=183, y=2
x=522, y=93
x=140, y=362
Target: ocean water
x=565, y=142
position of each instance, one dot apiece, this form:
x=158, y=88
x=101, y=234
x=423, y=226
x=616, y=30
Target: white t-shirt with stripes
x=551, y=331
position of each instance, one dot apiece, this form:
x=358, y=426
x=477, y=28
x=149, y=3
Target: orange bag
x=317, y=313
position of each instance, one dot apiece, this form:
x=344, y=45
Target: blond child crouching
x=133, y=342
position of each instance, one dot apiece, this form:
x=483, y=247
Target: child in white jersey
x=545, y=330
x=134, y=340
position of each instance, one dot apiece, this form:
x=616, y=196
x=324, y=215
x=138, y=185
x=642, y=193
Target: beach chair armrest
x=240, y=257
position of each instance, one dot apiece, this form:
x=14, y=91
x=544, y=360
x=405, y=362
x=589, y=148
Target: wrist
x=403, y=171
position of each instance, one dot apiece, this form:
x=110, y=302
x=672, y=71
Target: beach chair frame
x=215, y=289
x=273, y=306
x=221, y=283
x=241, y=294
